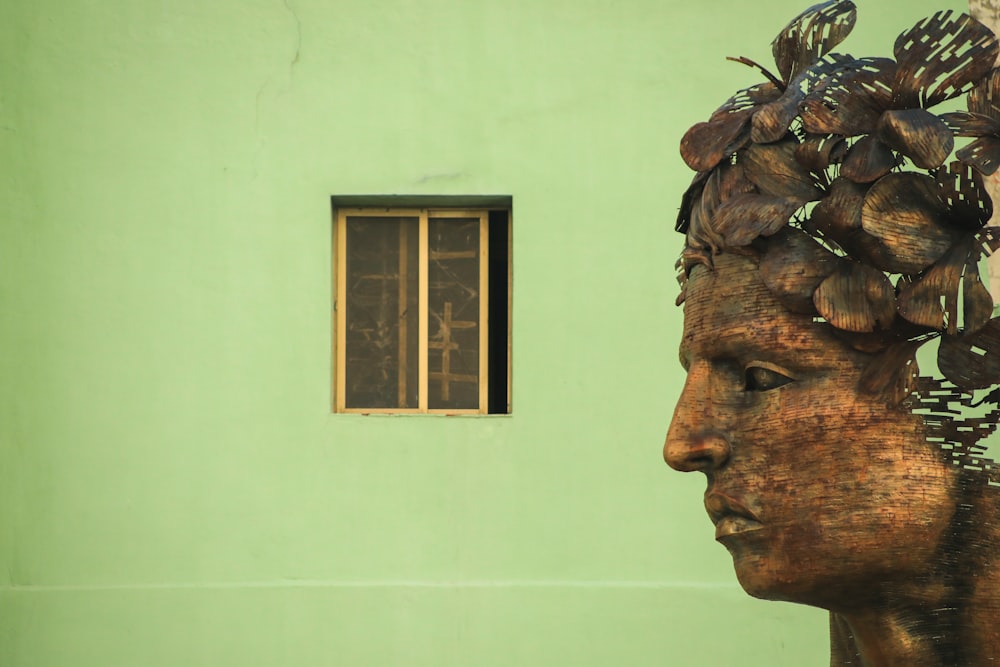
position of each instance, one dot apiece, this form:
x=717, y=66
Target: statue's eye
x=759, y=378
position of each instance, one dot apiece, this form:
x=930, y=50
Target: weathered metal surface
x=856, y=297
x=918, y=134
x=831, y=232
x=795, y=267
x=939, y=57
x=960, y=187
x=904, y=212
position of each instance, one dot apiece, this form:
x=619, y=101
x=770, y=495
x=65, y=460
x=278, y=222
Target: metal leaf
x=917, y=134
x=874, y=342
x=878, y=341
x=988, y=239
x=838, y=218
x=984, y=98
x=873, y=251
x=774, y=169
x=850, y=101
x=819, y=151
x=704, y=145
x=972, y=361
x=961, y=188
x=811, y=34
x=932, y=300
x=976, y=300
x=856, y=297
x=892, y=373
x=839, y=213
x=772, y=120
x=826, y=116
x=744, y=217
x=727, y=180
x=732, y=181
x=688, y=199
x=871, y=342
x=868, y=160
x=940, y=57
x=794, y=266
x=747, y=98
x=971, y=124
x=983, y=154
x=905, y=213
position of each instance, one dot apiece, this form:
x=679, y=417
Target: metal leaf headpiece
x=836, y=170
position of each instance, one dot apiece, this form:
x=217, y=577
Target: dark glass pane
x=499, y=306
x=453, y=309
x=382, y=313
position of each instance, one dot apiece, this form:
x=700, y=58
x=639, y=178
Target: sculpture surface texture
x=841, y=349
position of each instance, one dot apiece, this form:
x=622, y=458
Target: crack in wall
x=292, y=63
x=298, y=33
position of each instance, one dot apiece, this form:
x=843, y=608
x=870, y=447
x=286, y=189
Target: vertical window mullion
x=403, y=288
x=423, y=289
x=341, y=312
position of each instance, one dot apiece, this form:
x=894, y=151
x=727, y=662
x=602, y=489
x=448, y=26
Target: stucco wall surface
x=174, y=489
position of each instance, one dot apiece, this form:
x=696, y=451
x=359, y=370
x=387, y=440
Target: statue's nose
x=705, y=451
x=695, y=441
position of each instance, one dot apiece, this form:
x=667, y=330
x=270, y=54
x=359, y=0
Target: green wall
x=175, y=490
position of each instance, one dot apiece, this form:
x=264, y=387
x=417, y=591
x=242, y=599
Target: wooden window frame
x=424, y=374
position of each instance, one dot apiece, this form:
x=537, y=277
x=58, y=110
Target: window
x=422, y=306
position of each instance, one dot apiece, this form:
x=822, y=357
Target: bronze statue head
x=830, y=239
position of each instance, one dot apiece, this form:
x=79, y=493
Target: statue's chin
x=766, y=579
x=780, y=580
x=767, y=571
x=757, y=581
x=761, y=587
x=752, y=561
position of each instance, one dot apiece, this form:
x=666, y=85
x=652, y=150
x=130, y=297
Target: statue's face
x=823, y=495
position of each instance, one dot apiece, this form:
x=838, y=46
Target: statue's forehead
x=729, y=292
x=725, y=289
x=729, y=311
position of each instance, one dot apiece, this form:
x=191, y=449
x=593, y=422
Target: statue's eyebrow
x=803, y=348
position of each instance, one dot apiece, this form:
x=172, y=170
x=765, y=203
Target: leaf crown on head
x=838, y=172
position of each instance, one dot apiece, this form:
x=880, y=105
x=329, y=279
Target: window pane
x=382, y=312
x=453, y=305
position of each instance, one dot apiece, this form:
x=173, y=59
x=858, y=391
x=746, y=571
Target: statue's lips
x=730, y=516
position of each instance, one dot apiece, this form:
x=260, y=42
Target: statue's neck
x=942, y=634
x=947, y=617
x=885, y=640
